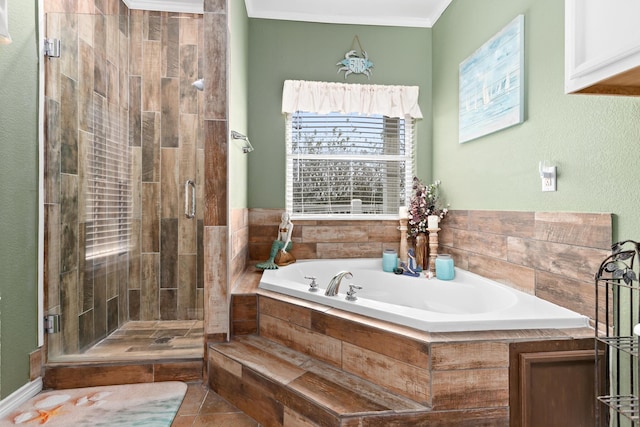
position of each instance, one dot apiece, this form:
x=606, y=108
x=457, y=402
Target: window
x=350, y=148
x=352, y=165
x=109, y=194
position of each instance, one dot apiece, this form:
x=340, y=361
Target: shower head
x=198, y=84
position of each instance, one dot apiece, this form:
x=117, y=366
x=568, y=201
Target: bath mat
x=147, y=404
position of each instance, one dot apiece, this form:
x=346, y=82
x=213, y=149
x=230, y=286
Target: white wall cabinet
x=602, y=46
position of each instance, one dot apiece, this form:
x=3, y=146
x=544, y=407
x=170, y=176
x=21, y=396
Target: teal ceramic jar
x=389, y=260
x=444, y=267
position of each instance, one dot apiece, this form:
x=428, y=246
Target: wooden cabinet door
x=557, y=388
x=553, y=384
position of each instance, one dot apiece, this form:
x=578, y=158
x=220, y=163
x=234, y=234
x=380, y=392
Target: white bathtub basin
x=467, y=303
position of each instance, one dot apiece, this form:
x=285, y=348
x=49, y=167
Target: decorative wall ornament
x=491, y=94
x=354, y=63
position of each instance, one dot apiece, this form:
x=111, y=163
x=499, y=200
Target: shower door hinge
x=52, y=48
x=52, y=323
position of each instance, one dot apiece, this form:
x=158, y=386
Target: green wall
x=18, y=196
x=285, y=50
x=238, y=109
x=592, y=139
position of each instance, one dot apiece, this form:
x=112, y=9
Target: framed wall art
x=491, y=95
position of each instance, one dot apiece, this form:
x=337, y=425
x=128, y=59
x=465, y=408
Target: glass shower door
x=122, y=136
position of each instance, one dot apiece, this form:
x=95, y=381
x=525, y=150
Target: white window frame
x=400, y=199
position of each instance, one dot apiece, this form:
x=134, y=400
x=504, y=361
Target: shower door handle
x=189, y=209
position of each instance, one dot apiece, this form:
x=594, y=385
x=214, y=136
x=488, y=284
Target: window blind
x=109, y=190
x=348, y=164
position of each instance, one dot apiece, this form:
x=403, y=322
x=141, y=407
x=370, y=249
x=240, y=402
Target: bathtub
x=467, y=303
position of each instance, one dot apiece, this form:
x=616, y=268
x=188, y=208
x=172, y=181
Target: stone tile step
x=74, y=374
x=273, y=383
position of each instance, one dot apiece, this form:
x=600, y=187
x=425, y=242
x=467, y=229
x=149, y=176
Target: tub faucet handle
x=313, y=286
x=351, y=293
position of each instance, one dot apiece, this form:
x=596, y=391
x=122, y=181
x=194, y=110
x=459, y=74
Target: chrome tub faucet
x=334, y=284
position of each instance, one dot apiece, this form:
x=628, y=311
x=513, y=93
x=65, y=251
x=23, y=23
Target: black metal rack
x=617, y=300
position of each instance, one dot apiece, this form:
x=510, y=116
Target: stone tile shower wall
x=551, y=255
x=124, y=78
x=216, y=131
x=86, y=99
x=165, y=133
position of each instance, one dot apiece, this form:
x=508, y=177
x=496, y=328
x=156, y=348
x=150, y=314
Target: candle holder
x=433, y=247
x=403, y=240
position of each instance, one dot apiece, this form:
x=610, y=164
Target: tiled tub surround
x=551, y=255
x=460, y=376
x=124, y=76
x=239, y=249
x=322, y=239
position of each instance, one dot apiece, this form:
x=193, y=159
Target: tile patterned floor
x=140, y=340
x=170, y=339
x=203, y=407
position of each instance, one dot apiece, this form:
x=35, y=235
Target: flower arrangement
x=425, y=201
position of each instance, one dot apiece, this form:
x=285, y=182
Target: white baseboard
x=20, y=396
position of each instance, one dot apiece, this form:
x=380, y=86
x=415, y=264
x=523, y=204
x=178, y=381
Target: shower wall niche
x=121, y=88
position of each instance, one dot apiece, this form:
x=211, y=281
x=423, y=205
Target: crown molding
x=415, y=13
x=398, y=13
x=185, y=6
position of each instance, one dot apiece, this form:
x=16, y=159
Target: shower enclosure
x=124, y=166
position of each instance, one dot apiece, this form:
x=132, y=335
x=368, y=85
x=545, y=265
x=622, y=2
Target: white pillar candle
x=432, y=221
x=403, y=212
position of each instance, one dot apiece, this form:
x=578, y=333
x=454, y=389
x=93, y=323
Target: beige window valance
x=324, y=98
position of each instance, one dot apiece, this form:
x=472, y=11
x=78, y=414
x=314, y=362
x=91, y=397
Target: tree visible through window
x=348, y=164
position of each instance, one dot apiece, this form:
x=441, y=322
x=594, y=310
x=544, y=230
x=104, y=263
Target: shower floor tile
x=138, y=340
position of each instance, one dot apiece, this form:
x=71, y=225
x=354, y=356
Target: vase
x=421, y=250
